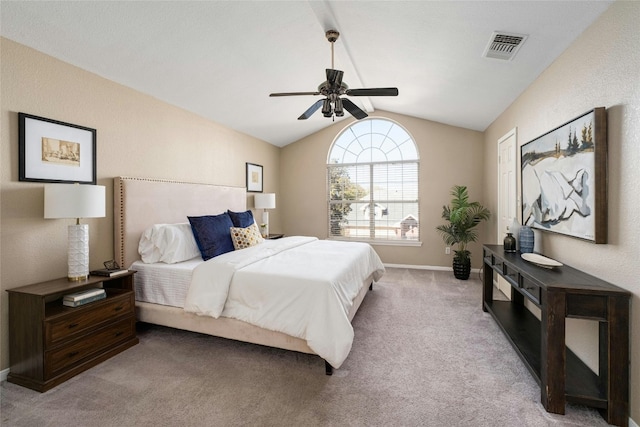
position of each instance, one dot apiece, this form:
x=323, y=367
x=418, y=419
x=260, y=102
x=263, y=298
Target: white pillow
x=168, y=243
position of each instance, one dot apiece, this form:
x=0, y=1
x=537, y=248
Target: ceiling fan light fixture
x=326, y=108
x=338, y=111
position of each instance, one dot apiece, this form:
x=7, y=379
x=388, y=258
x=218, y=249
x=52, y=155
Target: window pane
x=336, y=155
x=409, y=150
x=349, y=157
x=377, y=139
x=394, y=154
x=362, y=127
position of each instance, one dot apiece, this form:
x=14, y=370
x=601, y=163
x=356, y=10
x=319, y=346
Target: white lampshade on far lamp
x=75, y=201
x=265, y=201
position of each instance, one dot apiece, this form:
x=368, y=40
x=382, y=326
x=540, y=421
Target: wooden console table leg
x=487, y=285
x=617, y=412
x=553, y=352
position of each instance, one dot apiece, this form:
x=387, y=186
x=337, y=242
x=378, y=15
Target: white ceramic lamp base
x=78, y=252
x=265, y=221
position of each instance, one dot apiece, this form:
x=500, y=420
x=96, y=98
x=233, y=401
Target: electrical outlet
x=447, y=250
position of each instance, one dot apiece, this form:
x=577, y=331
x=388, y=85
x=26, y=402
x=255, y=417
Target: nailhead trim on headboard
x=119, y=207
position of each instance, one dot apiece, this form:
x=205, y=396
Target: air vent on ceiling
x=504, y=45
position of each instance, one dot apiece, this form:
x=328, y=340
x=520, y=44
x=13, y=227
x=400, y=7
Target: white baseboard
x=4, y=374
x=426, y=267
x=632, y=423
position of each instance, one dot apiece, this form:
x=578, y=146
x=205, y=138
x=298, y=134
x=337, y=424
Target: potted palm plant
x=462, y=217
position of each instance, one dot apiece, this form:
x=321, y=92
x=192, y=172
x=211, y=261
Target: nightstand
x=50, y=343
x=275, y=236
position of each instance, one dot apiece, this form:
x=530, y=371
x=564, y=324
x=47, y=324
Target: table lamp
x=265, y=201
x=75, y=201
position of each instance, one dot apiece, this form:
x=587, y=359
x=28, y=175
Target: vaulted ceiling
x=221, y=59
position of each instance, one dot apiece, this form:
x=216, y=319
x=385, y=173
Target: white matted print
x=54, y=151
x=254, y=178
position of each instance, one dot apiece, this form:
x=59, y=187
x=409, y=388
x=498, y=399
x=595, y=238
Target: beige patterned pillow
x=246, y=237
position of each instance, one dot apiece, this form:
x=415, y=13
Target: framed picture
x=564, y=178
x=254, y=178
x=53, y=151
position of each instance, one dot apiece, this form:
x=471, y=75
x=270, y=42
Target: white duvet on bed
x=298, y=285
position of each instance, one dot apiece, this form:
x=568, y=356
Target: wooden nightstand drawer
x=72, y=321
x=86, y=346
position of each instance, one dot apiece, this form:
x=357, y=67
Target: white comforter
x=301, y=286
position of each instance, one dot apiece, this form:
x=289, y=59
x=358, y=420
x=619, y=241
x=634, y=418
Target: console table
x=563, y=292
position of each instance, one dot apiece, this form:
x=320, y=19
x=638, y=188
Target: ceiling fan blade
x=311, y=110
x=294, y=93
x=380, y=91
x=353, y=109
x=334, y=77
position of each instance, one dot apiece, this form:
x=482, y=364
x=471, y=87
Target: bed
x=139, y=203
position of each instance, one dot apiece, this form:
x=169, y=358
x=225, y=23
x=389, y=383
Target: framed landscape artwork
x=53, y=151
x=564, y=178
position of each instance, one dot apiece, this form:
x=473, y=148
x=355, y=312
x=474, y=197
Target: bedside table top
x=275, y=236
x=63, y=284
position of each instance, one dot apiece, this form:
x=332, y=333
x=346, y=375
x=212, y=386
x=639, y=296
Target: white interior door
x=507, y=191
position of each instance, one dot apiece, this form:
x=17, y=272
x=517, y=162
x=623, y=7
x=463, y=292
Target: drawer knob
x=73, y=353
x=72, y=325
x=118, y=308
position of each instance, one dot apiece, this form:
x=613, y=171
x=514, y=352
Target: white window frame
x=400, y=232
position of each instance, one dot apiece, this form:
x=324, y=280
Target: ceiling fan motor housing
x=332, y=35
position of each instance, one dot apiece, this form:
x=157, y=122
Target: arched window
x=372, y=173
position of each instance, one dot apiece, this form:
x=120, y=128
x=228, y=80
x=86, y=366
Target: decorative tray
x=540, y=260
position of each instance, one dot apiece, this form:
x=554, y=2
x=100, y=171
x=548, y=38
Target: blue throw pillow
x=241, y=219
x=212, y=234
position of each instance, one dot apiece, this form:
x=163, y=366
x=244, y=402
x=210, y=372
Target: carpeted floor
x=425, y=354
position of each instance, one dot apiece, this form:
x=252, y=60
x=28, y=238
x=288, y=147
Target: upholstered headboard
x=140, y=203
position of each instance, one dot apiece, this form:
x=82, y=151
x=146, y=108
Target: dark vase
x=461, y=268
x=509, y=243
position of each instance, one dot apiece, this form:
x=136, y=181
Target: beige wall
x=137, y=135
x=448, y=156
x=599, y=69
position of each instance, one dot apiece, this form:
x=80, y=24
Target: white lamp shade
x=265, y=201
x=74, y=201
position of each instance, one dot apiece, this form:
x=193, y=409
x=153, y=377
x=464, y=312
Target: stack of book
x=109, y=272
x=83, y=297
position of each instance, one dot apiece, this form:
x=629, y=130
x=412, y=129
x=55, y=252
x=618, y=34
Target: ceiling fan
x=333, y=88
